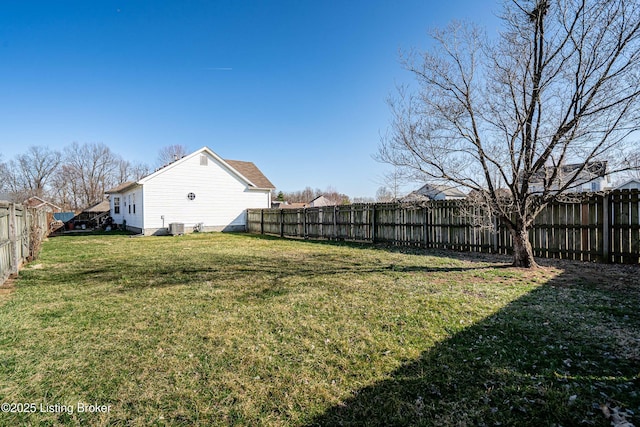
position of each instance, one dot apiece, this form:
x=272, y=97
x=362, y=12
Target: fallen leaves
x=617, y=416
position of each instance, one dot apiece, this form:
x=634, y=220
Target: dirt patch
x=611, y=277
x=6, y=289
x=569, y=273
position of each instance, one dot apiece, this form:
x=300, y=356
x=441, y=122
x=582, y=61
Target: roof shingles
x=251, y=172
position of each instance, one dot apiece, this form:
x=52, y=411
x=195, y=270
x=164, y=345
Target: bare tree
x=308, y=194
x=384, y=195
x=335, y=196
x=4, y=173
x=171, y=153
x=30, y=173
x=392, y=183
x=560, y=84
x=634, y=166
x=128, y=171
x=65, y=188
x=89, y=169
x=301, y=196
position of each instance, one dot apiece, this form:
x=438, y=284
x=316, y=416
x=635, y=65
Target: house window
x=116, y=205
x=595, y=186
x=134, y=203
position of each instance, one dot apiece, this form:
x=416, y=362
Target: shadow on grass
x=170, y=268
x=224, y=268
x=552, y=357
x=387, y=247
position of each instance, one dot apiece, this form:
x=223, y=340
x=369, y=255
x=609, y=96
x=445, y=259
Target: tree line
x=309, y=194
x=73, y=178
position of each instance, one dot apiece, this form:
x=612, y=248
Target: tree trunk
x=522, y=250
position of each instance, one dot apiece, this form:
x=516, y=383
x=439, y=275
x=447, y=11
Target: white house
x=434, y=192
x=592, y=177
x=632, y=184
x=198, y=189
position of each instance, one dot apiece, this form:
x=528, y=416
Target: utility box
x=176, y=228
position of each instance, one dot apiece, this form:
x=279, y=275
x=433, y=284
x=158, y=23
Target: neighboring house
x=593, y=177
x=632, y=184
x=433, y=192
x=198, y=189
x=320, y=201
x=39, y=203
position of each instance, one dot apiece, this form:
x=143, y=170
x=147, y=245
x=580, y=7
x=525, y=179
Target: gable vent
x=204, y=160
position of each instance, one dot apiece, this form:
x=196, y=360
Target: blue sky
x=297, y=87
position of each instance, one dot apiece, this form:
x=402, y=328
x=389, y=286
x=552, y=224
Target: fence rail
x=18, y=226
x=603, y=228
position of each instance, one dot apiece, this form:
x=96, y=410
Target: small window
x=204, y=160
x=116, y=205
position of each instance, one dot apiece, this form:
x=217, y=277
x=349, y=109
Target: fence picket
x=16, y=223
x=595, y=228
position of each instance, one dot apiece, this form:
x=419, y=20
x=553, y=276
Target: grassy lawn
x=231, y=329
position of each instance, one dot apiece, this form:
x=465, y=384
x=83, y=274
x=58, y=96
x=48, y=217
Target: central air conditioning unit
x=176, y=228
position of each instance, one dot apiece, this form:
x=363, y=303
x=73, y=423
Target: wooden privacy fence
x=604, y=228
x=18, y=226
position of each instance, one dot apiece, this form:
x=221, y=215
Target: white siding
x=221, y=198
x=629, y=185
x=117, y=217
x=133, y=217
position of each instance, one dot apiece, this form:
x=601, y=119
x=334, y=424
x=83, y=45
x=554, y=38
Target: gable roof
x=432, y=190
x=36, y=202
x=632, y=181
x=251, y=171
x=120, y=188
x=103, y=206
x=246, y=171
x=591, y=171
x=322, y=200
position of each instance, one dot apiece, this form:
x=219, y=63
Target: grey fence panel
x=593, y=227
x=19, y=227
